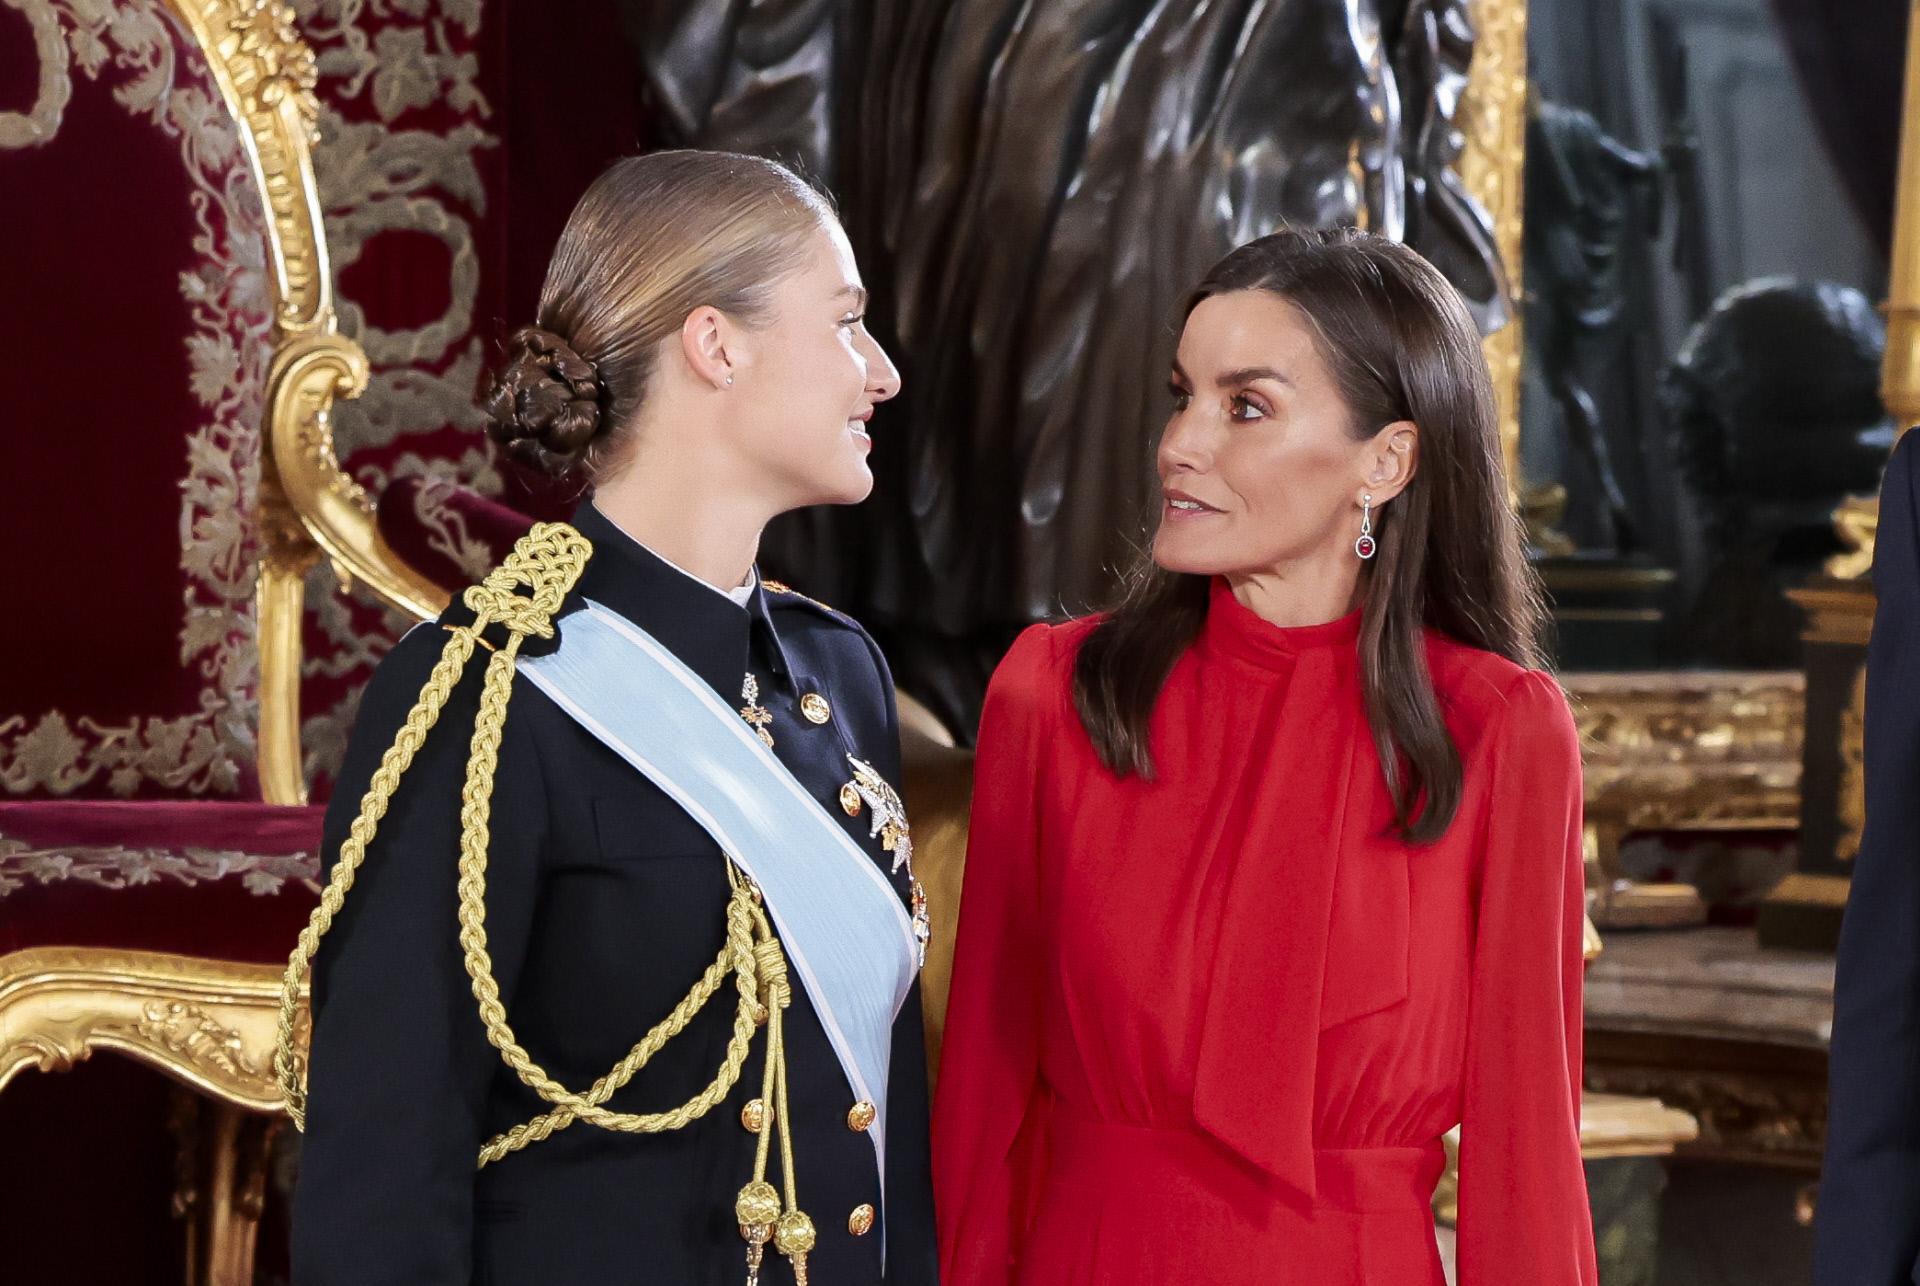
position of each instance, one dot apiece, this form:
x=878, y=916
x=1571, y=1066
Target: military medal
x=889, y=814
x=896, y=837
x=922, y=921
x=756, y=715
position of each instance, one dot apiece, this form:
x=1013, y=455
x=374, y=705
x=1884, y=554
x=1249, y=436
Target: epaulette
x=492, y=637
x=789, y=592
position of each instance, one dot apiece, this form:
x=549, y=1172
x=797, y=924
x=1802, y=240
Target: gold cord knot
x=794, y=1234
x=770, y=962
x=547, y=560
x=758, y=1205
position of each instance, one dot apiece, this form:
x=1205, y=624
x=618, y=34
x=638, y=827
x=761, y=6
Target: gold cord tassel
x=759, y=1209
x=548, y=561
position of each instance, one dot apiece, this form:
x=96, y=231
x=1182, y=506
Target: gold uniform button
x=754, y=1116
x=860, y=1118
x=815, y=708
x=850, y=800
x=860, y=1222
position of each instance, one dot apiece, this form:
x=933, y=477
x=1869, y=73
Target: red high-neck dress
x=1211, y=1028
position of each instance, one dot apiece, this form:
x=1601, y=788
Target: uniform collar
x=716, y=637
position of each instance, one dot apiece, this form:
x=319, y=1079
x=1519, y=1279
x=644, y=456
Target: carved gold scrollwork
x=209, y=1024
x=1852, y=801
x=267, y=75
x=335, y=512
x=1856, y=522
x=190, y=1033
x=1740, y=1114
x=1494, y=125
x=1683, y=751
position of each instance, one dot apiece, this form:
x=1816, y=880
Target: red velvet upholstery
x=230, y=881
x=137, y=337
x=450, y=533
x=136, y=318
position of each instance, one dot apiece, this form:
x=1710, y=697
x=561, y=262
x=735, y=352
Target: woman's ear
x=1392, y=458
x=704, y=338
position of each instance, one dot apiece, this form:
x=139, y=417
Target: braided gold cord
x=288, y=1068
x=547, y=561
x=476, y=802
x=739, y=946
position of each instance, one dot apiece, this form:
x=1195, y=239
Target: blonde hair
x=654, y=238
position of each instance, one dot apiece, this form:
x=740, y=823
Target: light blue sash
x=844, y=929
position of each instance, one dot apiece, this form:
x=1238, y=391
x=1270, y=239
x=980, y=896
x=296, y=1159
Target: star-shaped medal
x=889, y=813
x=896, y=837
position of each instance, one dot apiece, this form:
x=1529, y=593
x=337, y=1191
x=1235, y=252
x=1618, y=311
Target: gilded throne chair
x=168, y=310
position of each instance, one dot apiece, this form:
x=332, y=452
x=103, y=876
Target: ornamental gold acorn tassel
x=762, y=1215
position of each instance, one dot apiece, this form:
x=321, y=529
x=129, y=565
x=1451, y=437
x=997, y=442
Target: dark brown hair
x=654, y=238
x=1399, y=343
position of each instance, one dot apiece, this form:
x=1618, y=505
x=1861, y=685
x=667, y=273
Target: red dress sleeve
x=1523, y=1194
x=989, y=1072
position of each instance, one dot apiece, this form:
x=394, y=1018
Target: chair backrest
x=143, y=342
x=167, y=301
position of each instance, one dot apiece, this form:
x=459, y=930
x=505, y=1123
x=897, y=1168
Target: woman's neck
x=702, y=529
x=1307, y=592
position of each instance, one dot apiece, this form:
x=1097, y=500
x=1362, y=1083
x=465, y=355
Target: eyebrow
x=858, y=293
x=1245, y=375
x=1248, y=374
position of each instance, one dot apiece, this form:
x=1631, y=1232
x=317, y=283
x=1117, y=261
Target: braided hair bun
x=546, y=405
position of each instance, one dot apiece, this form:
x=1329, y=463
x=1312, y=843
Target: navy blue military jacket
x=605, y=903
x=1868, y=1229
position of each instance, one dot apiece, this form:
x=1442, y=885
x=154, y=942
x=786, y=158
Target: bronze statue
x=1774, y=406
x=1581, y=186
x=1035, y=184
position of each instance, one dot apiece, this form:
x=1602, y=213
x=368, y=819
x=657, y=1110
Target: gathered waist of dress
x=1188, y=1161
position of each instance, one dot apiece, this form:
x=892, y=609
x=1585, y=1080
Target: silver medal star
x=890, y=826
x=888, y=811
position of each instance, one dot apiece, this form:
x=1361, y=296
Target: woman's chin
x=1176, y=555
x=849, y=486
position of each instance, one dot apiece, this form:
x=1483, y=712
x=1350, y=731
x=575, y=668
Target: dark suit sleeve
x=1869, y=1205
x=400, y=1063
x=911, y=1257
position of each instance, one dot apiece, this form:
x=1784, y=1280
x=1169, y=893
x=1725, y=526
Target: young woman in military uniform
x=625, y=988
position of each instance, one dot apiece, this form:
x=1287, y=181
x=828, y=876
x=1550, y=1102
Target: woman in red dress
x=1275, y=871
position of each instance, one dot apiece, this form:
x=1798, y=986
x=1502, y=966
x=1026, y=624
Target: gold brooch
x=756, y=715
